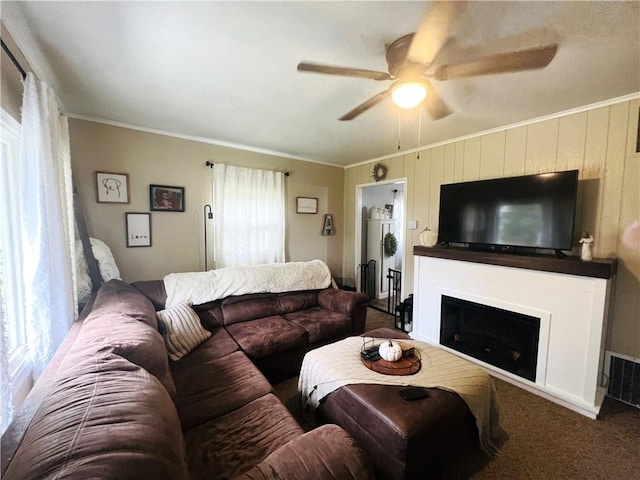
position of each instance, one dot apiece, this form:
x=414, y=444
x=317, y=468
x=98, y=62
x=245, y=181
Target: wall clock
x=379, y=172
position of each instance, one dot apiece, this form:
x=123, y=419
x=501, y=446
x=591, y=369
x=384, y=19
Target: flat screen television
x=510, y=214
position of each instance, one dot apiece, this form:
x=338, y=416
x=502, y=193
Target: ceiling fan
x=410, y=60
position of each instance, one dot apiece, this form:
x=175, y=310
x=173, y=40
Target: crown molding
x=573, y=111
x=192, y=138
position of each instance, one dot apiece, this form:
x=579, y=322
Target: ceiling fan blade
x=433, y=31
x=344, y=71
x=435, y=105
x=365, y=106
x=533, y=58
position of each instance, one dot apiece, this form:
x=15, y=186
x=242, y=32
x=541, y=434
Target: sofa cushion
x=182, y=330
x=321, y=324
x=324, y=452
x=154, y=290
x=122, y=321
x=216, y=387
x=267, y=336
x=218, y=345
x=210, y=314
x=234, y=443
x=242, y=308
x=116, y=296
x=294, y=301
x=125, y=336
x=106, y=419
x=145, y=347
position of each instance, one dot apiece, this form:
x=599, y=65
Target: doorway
x=380, y=242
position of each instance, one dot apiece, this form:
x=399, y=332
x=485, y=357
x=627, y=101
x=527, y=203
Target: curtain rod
x=13, y=59
x=210, y=164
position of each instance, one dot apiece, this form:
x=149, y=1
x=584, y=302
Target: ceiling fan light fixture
x=408, y=94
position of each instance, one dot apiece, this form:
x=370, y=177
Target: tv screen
x=533, y=211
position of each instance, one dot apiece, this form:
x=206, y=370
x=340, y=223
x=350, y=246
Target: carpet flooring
x=546, y=441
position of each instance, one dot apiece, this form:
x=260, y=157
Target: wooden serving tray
x=405, y=366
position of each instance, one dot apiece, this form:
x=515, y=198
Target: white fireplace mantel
x=570, y=297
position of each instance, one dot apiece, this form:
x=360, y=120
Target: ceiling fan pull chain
x=419, y=129
x=399, y=128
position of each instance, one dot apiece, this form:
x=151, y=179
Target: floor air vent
x=624, y=379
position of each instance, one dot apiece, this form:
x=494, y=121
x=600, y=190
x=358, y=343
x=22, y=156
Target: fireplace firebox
x=504, y=339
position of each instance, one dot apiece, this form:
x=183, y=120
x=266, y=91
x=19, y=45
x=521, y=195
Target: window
x=249, y=216
x=16, y=370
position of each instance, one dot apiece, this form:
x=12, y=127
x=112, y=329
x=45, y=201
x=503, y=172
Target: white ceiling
x=226, y=71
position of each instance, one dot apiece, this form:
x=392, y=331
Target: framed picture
x=138, y=229
x=164, y=198
x=327, y=226
x=306, y=205
x=112, y=187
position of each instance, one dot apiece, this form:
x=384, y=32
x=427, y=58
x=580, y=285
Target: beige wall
x=599, y=142
x=177, y=238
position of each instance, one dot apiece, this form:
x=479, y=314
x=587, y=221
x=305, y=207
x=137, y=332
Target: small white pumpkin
x=390, y=351
x=428, y=238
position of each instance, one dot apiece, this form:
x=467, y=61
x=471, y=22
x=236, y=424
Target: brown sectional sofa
x=275, y=330
x=112, y=406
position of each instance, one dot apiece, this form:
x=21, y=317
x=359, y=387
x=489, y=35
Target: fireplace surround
x=569, y=298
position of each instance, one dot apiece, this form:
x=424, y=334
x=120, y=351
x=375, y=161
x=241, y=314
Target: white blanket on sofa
x=328, y=368
x=202, y=287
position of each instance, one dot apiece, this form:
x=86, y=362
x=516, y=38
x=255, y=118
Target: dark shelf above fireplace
x=598, y=268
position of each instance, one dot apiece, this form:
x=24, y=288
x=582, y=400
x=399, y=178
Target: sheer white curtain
x=249, y=212
x=6, y=404
x=47, y=223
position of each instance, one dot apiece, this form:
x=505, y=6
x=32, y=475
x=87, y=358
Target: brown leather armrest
x=326, y=453
x=341, y=301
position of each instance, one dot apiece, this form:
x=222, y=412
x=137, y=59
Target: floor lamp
x=208, y=215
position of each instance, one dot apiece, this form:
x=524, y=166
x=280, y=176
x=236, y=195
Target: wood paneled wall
x=600, y=142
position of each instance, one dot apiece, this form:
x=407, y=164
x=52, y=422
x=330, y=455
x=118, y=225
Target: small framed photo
x=112, y=187
x=327, y=226
x=138, y=229
x=389, y=208
x=164, y=198
x=306, y=205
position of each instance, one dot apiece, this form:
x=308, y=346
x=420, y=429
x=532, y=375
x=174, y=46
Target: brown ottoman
x=405, y=439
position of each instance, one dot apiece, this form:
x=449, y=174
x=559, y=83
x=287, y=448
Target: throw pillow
x=182, y=330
